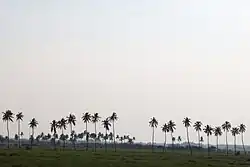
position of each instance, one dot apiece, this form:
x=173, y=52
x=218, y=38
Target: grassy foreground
x=69, y=158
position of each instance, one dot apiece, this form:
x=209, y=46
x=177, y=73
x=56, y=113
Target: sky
x=140, y=58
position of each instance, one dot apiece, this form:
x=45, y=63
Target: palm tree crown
x=242, y=128
x=171, y=126
x=86, y=117
x=226, y=126
x=165, y=128
x=8, y=116
x=113, y=117
x=187, y=122
x=33, y=123
x=71, y=119
x=62, y=124
x=197, y=126
x=235, y=131
x=217, y=131
x=54, y=126
x=19, y=116
x=95, y=118
x=153, y=123
x=208, y=130
x=106, y=124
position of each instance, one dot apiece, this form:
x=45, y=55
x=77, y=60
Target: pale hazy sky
x=141, y=58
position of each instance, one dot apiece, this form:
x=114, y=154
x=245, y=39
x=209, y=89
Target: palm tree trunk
x=63, y=139
x=226, y=143
x=32, y=138
x=95, y=136
x=114, y=134
x=106, y=142
x=199, y=139
x=208, y=150
x=235, y=145
x=54, y=141
x=190, y=149
x=172, y=141
x=19, y=140
x=8, y=133
x=153, y=135
x=217, y=141
x=242, y=140
x=87, y=138
x=165, y=141
x=71, y=130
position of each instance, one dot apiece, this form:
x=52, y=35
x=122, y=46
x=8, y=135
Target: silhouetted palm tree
x=242, y=130
x=173, y=139
x=106, y=124
x=8, y=117
x=187, y=124
x=235, y=132
x=19, y=118
x=86, y=119
x=197, y=127
x=179, y=140
x=53, y=127
x=153, y=123
x=33, y=124
x=113, y=118
x=172, y=127
x=95, y=119
x=21, y=134
x=62, y=124
x=217, y=133
x=226, y=127
x=201, y=140
x=72, y=122
x=165, y=129
x=208, y=130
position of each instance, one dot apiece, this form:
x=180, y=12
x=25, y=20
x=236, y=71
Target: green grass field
x=69, y=158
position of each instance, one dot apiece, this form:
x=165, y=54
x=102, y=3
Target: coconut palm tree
x=95, y=119
x=33, y=124
x=72, y=122
x=208, y=130
x=226, y=127
x=153, y=123
x=179, y=140
x=86, y=119
x=8, y=117
x=53, y=127
x=113, y=118
x=173, y=139
x=217, y=133
x=121, y=139
x=19, y=118
x=201, y=140
x=235, y=132
x=62, y=124
x=172, y=127
x=21, y=134
x=197, y=127
x=106, y=124
x=242, y=130
x=165, y=129
x=187, y=124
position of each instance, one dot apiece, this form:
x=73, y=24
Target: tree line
x=170, y=127
x=62, y=124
